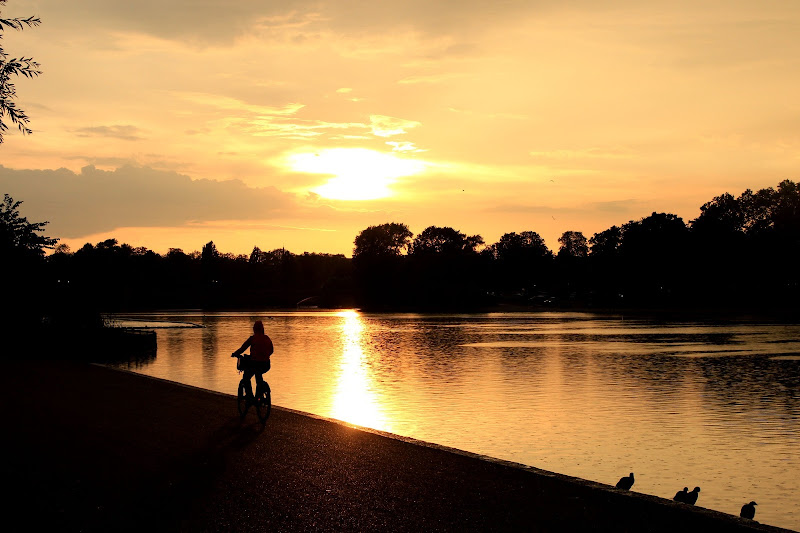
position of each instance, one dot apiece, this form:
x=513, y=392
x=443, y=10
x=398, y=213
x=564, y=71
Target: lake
x=708, y=404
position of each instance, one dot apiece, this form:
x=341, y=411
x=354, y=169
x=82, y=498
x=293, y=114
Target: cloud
x=267, y=121
x=403, y=146
x=525, y=208
x=199, y=20
x=228, y=104
x=291, y=129
x=384, y=126
x=625, y=207
x=206, y=21
x=124, y=132
x=96, y=201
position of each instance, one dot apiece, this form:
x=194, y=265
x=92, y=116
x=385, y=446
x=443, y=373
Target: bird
x=625, y=482
x=681, y=495
x=691, y=498
x=748, y=510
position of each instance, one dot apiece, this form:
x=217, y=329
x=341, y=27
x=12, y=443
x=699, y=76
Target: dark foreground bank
x=87, y=448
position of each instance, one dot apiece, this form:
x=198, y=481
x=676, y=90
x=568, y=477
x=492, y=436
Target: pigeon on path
x=748, y=510
x=681, y=495
x=625, y=482
x=691, y=498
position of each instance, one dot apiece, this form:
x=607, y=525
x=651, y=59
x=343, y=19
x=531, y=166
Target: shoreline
x=108, y=450
x=654, y=313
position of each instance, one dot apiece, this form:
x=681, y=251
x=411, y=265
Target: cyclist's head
x=258, y=327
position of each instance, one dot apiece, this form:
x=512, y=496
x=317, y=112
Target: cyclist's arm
x=245, y=346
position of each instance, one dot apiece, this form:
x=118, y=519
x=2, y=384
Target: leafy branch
x=16, y=233
x=22, y=66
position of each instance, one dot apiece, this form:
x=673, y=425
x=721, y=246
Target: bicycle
x=262, y=400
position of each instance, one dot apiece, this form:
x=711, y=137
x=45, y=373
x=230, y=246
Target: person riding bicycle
x=260, y=350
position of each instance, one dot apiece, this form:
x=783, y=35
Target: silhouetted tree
x=724, y=215
x=573, y=244
x=606, y=243
x=384, y=240
x=21, y=66
x=20, y=239
x=209, y=253
x=753, y=239
x=757, y=211
x=22, y=251
x=379, y=264
x=257, y=256
x=720, y=252
x=773, y=231
x=176, y=254
x=444, y=240
x=571, y=262
x=523, y=265
x=446, y=269
x=209, y=267
x=519, y=246
x=654, y=250
x=605, y=266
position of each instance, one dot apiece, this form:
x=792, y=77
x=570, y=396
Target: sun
x=356, y=173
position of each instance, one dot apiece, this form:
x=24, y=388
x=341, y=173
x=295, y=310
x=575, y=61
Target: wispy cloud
x=294, y=128
x=383, y=126
x=404, y=146
x=124, y=132
x=232, y=104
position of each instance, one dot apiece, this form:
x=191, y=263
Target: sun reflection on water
x=355, y=399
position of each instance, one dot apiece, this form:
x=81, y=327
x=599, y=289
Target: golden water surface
x=714, y=405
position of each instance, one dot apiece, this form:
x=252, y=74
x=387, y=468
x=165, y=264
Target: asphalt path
x=88, y=448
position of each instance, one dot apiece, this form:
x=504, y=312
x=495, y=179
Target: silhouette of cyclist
x=260, y=349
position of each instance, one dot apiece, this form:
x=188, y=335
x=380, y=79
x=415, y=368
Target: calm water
x=679, y=404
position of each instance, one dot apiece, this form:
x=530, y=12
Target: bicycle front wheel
x=264, y=403
x=241, y=400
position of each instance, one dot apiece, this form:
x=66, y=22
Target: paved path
x=86, y=448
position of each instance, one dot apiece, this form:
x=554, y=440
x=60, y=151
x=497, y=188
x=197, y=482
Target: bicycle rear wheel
x=264, y=403
x=241, y=400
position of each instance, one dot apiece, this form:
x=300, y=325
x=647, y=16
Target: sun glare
x=357, y=173
x=355, y=399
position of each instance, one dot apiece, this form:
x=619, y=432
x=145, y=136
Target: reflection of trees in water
x=174, y=340
x=437, y=343
x=209, y=344
x=577, y=362
x=752, y=383
x=524, y=364
x=659, y=377
x=714, y=339
x=133, y=348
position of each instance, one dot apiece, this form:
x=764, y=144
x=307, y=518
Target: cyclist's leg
x=264, y=403
x=248, y=386
x=259, y=374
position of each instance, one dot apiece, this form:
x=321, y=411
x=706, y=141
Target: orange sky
x=299, y=123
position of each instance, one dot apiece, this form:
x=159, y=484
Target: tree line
x=741, y=253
